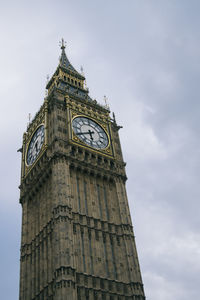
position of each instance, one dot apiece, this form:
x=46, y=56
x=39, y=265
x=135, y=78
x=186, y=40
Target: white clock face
x=35, y=145
x=90, y=132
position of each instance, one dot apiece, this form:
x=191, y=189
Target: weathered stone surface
x=77, y=237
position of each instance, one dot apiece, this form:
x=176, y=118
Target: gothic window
x=95, y=223
x=74, y=228
x=88, y=221
x=102, y=225
x=101, y=284
x=125, y=289
x=99, y=200
x=97, y=235
x=112, y=164
x=78, y=278
x=79, y=293
x=86, y=155
x=106, y=203
x=106, y=257
x=94, y=282
x=85, y=196
x=85, y=280
x=103, y=296
x=83, y=253
x=104, y=237
x=73, y=151
x=78, y=192
x=91, y=257
x=113, y=257
x=123, y=197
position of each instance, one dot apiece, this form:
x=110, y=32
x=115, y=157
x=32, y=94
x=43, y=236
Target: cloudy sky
x=144, y=55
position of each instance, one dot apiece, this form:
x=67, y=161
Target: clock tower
x=77, y=236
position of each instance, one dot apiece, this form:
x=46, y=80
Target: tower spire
x=66, y=71
x=64, y=62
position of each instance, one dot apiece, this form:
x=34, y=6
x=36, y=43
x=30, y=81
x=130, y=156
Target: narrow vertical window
x=106, y=203
x=106, y=256
x=85, y=196
x=113, y=258
x=133, y=255
x=91, y=257
x=123, y=197
x=99, y=200
x=83, y=252
x=78, y=192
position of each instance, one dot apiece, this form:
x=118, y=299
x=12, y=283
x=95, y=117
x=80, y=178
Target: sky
x=144, y=55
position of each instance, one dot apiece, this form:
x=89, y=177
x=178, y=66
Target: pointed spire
x=64, y=67
x=64, y=62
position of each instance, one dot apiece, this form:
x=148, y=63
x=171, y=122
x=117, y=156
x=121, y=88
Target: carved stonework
x=77, y=235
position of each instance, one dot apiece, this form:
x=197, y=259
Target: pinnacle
x=64, y=62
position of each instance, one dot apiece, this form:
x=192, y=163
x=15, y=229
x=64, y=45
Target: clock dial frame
x=35, y=145
x=90, y=132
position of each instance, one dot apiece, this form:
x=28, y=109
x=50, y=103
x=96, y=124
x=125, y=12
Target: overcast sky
x=145, y=57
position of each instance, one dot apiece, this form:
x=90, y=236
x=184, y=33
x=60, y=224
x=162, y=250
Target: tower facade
x=77, y=237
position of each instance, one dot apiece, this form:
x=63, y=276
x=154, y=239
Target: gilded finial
x=114, y=119
x=29, y=118
x=82, y=72
x=106, y=102
x=47, y=78
x=85, y=84
x=62, y=44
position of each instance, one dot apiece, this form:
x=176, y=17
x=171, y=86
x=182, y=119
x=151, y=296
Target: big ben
x=77, y=237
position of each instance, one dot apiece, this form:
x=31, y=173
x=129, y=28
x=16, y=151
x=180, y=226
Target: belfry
x=77, y=237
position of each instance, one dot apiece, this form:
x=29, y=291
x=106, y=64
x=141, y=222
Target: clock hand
x=79, y=133
x=89, y=132
x=36, y=146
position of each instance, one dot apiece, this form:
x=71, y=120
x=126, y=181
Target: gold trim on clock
x=106, y=151
x=41, y=150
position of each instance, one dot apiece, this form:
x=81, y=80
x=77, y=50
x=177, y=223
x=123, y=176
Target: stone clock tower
x=77, y=237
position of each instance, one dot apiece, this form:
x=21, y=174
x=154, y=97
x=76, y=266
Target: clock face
x=90, y=132
x=35, y=145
